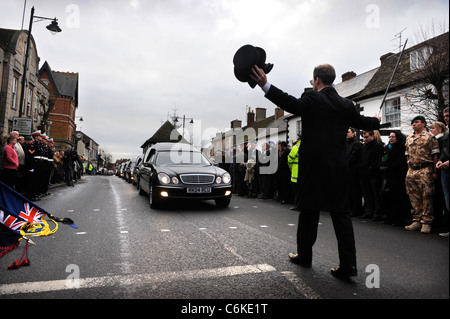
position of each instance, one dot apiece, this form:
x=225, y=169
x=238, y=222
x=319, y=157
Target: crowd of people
x=263, y=174
x=402, y=183
x=29, y=164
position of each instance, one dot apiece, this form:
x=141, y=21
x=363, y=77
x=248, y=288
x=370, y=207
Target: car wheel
x=152, y=198
x=223, y=202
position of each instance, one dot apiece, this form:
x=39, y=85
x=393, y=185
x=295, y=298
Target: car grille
x=197, y=178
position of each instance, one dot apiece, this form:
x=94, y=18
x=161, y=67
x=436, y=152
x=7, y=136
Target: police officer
x=422, y=152
x=293, y=166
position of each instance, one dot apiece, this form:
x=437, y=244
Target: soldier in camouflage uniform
x=422, y=152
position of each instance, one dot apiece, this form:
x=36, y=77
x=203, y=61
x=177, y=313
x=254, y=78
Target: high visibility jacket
x=293, y=162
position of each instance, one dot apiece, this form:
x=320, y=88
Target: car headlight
x=163, y=178
x=218, y=179
x=175, y=180
x=226, y=178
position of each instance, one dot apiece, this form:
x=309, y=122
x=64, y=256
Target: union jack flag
x=31, y=214
x=17, y=211
x=9, y=220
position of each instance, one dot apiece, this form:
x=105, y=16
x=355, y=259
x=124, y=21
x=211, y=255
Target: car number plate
x=198, y=190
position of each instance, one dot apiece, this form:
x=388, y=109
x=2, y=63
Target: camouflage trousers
x=420, y=188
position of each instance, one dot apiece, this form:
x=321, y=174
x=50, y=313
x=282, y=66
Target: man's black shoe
x=295, y=258
x=340, y=272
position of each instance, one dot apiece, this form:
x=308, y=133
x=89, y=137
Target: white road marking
x=81, y=233
x=125, y=280
x=124, y=241
x=303, y=288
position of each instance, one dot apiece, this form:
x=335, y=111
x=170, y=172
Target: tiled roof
x=162, y=135
x=67, y=83
x=355, y=85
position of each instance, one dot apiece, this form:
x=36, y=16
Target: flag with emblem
x=19, y=217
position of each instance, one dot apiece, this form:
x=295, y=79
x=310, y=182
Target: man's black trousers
x=343, y=228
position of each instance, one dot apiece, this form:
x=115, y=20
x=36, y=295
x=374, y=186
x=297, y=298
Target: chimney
x=260, y=114
x=236, y=124
x=279, y=112
x=250, y=117
x=385, y=56
x=348, y=75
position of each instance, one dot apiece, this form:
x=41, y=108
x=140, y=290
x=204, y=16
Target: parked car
x=137, y=167
x=177, y=170
x=124, y=170
x=129, y=172
x=120, y=171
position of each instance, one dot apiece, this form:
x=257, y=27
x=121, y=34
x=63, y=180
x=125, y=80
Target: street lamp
x=80, y=119
x=53, y=28
x=184, y=120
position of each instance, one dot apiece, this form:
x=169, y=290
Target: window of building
x=29, y=102
x=36, y=108
x=14, y=93
x=393, y=112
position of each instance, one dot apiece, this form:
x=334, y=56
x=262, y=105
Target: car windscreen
x=181, y=158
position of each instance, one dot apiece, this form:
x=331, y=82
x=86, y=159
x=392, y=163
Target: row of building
x=420, y=85
x=50, y=98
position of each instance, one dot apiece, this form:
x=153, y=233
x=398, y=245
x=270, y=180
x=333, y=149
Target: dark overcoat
x=323, y=170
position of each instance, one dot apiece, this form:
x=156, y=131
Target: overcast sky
x=139, y=60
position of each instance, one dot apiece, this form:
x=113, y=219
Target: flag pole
x=392, y=77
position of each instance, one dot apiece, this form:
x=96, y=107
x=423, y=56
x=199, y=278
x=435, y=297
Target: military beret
x=418, y=117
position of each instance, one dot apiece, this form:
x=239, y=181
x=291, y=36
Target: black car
x=121, y=171
x=129, y=172
x=177, y=170
x=137, y=167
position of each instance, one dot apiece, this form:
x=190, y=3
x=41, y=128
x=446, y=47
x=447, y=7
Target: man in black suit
x=323, y=170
